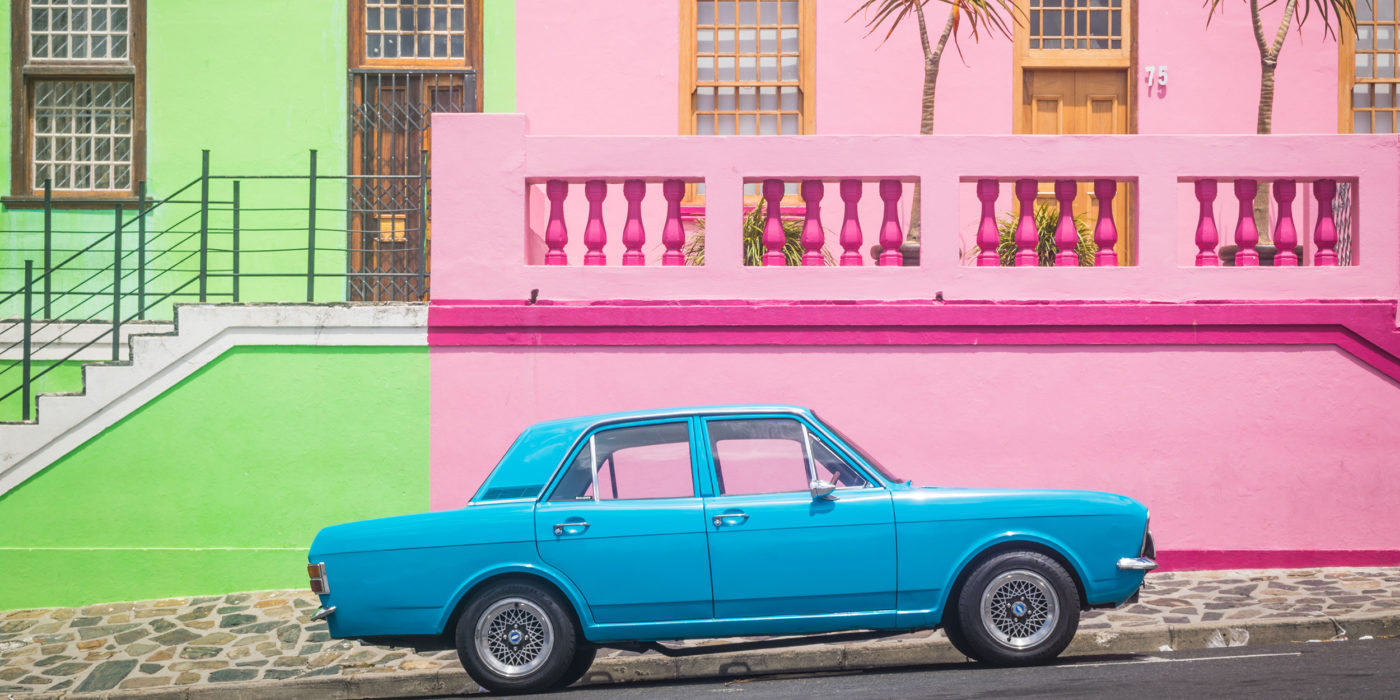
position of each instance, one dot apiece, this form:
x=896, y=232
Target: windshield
x=889, y=476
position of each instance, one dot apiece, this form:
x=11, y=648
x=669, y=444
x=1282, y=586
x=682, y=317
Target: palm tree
x=982, y=16
x=1343, y=12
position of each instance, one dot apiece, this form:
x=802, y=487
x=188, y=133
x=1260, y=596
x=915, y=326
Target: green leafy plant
x=694, y=248
x=1047, y=219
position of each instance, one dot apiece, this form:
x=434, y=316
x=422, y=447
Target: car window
x=645, y=461
x=773, y=455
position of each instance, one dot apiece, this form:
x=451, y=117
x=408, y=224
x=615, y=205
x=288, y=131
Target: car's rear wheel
x=1017, y=609
x=516, y=637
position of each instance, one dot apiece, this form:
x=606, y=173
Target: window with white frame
x=80, y=98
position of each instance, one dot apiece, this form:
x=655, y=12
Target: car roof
x=582, y=422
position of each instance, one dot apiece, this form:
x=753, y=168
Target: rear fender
x=535, y=569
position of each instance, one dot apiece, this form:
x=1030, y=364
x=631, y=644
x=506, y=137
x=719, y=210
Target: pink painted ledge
x=1364, y=329
x=1227, y=559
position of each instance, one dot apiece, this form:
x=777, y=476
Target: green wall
x=498, y=56
x=64, y=378
x=220, y=484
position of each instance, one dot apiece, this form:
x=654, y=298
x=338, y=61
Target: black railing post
x=235, y=241
x=311, y=232
x=117, y=288
x=204, y=226
x=48, y=242
x=423, y=227
x=141, y=250
x=25, y=393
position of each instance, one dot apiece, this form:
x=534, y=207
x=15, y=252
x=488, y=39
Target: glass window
x=747, y=58
x=646, y=461
x=1076, y=24
x=415, y=29
x=773, y=455
x=81, y=130
x=1371, y=56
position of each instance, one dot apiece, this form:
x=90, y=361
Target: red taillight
x=317, y=572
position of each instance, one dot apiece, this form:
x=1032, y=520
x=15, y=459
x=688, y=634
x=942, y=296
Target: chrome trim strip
x=323, y=613
x=1136, y=564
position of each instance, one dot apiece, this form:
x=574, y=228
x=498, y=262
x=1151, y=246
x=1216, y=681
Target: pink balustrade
x=1189, y=203
x=1284, y=245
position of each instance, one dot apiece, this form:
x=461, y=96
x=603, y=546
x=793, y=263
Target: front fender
x=972, y=552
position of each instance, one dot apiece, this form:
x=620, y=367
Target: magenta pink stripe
x=1221, y=559
x=1365, y=329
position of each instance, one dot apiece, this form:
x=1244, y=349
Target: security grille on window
x=748, y=67
x=80, y=97
x=1372, y=69
x=1076, y=24
x=425, y=29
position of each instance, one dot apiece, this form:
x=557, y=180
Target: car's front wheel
x=1017, y=609
x=516, y=637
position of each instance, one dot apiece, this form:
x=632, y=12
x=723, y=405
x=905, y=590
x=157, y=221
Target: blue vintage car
x=624, y=529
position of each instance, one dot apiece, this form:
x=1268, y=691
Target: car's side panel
x=635, y=561
x=738, y=627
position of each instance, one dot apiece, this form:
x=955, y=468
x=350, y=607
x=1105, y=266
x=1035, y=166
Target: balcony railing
x=591, y=218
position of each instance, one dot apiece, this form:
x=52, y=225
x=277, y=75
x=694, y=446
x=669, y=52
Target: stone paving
x=181, y=642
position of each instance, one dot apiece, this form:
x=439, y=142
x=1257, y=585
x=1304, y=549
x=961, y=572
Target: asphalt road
x=1354, y=669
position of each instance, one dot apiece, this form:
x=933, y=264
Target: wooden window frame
x=1023, y=58
x=806, y=67
x=472, y=59
x=24, y=193
x=1347, y=81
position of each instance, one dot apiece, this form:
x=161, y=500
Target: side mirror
x=821, y=490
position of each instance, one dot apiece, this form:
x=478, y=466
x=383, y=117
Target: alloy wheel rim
x=1020, y=609
x=514, y=637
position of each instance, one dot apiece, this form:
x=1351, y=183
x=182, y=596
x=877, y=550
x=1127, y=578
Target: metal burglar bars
x=219, y=238
x=389, y=235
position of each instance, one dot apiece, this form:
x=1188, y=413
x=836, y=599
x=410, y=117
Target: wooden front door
x=1082, y=101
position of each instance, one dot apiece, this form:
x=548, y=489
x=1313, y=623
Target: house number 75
x=1156, y=75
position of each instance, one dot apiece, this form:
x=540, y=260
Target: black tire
x=1017, y=609
x=956, y=636
x=527, y=642
x=583, y=660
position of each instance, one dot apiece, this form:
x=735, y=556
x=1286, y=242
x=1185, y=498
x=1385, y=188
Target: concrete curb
x=817, y=657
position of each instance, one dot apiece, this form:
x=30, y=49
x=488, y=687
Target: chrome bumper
x=323, y=613
x=1136, y=564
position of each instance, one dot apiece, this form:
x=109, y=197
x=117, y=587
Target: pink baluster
x=1105, y=232
x=988, y=237
x=594, y=235
x=1246, y=235
x=813, y=238
x=673, y=233
x=891, y=235
x=1066, y=233
x=851, y=237
x=1285, y=235
x=773, y=234
x=1207, y=237
x=634, y=235
x=556, y=234
x=1325, y=234
x=1027, y=235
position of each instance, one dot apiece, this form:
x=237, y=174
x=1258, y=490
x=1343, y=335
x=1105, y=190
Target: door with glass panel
x=409, y=59
x=624, y=524
x=775, y=549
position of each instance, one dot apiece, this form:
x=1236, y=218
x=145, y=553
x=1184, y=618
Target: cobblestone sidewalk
x=225, y=641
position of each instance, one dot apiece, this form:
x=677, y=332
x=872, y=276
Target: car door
x=774, y=549
x=623, y=522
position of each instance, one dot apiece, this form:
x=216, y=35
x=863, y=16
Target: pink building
x=1252, y=407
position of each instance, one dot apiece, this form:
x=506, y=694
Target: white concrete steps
x=157, y=362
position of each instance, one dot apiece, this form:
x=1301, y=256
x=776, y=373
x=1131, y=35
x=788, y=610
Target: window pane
x=1384, y=122
x=1385, y=38
x=1361, y=122
x=1383, y=97
x=82, y=134
x=1361, y=96
x=833, y=469
x=759, y=456
x=651, y=461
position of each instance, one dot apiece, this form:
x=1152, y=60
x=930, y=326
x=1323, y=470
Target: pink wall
x=1250, y=448
x=613, y=68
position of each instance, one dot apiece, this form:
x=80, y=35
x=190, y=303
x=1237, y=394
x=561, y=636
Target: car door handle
x=571, y=528
x=730, y=519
